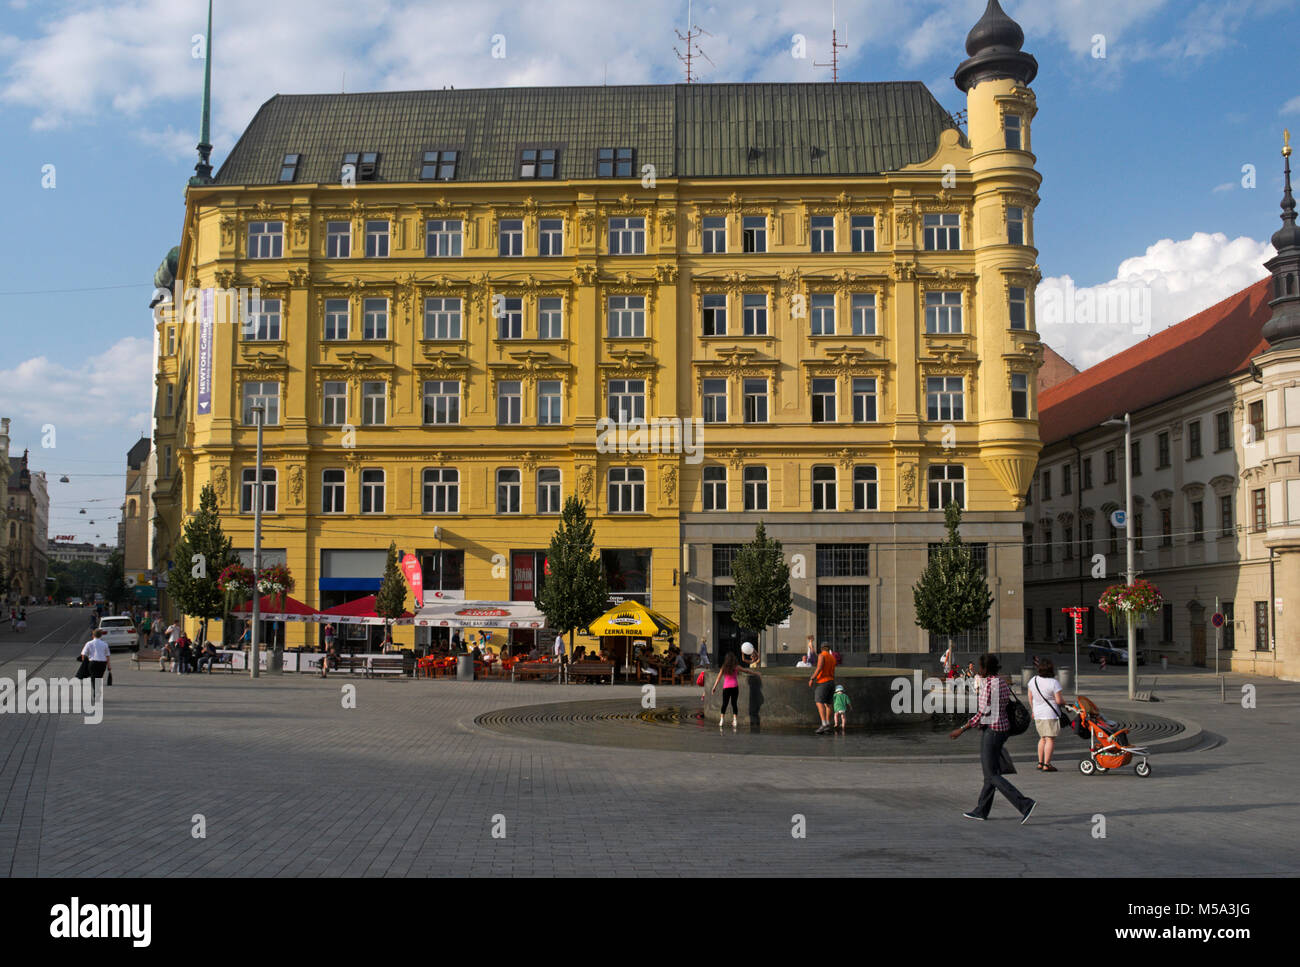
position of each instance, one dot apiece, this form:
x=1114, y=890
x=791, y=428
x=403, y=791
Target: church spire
x=1284, y=326
x=203, y=170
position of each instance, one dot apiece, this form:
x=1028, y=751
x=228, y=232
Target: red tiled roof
x=1209, y=346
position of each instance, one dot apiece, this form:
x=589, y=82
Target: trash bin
x=1064, y=675
x=465, y=668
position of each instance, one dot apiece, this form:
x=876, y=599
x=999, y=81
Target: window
x=714, y=235
x=1018, y=307
x=509, y=491
x=1113, y=547
x=550, y=237
x=247, y=489
x=266, y=395
x=1193, y=439
x=537, y=163
x=442, y=238
x=824, y=488
x=1166, y=528
x=334, y=399
x=823, y=233
x=1067, y=479
x=510, y=402
x=438, y=166
x=1223, y=431
x=714, y=402
x=864, y=399
x=626, y=400
x=1198, y=521
x=1110, y=466
x=1011, y=125
x=1229, y=626
x=862, y=233
x=1068, y=540
x=823, y=313
x=171, y=340
x=442, y=318
x=1015, y=225
x=1047, y=541
x=627, y=236
x=337, y=319
x=755, y=488
x=363, y=164
x=714, y=496
x=843, y=560
x=333, y=492
x=862, y=306
x=548, y=490
x=843, y=617
x=714, y=306
x=372, y=491
x=167, y=460
x=755, y=233
x=289, y=167
x=374, y=397
x=510, y=237
x=865, y=490
x=723, y=557
x=1019, y=396
x=170, y=405
x=947, y=484
x=510, y=316
x=550, y=402
x=1087, y=474
x=1086, y=550
x=1162, y=450
x=943, y=312
x=945, y=400
x=1256, y=418
x=442, y=570
x=1136, y=457
x=1226, y=526
x=755, y=313
x=1261, y=626
x=263, y=321
x=1047, y=485
x=338, y=240
x=1167, y=623
x=626, y=490
x=627, y=317
x=1258, y=511
x=614, y=163
x=374, y=319
x=942, y=232
x=265, y=240
x=442, y=402
x=823, y=401
x=755, y=400
x=550, y=318
x=1138, y=531
x=377, y=240
x=441, y=490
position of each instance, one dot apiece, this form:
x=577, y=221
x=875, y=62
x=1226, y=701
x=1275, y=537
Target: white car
x=120, y=633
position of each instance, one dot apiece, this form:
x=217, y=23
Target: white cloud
x=1292, y=106
x=1170, y=282
x=106, y=393
x=1226, y=186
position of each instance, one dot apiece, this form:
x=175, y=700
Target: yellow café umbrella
x=632, y=619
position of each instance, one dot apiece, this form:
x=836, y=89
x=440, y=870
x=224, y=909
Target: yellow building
x=816, y=296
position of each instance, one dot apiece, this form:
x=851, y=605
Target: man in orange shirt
x=823, y=680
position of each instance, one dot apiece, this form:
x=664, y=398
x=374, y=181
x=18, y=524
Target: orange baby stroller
x=1108, y=746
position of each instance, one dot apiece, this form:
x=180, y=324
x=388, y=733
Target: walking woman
x=1045, y=694
x=992, y=720
x=729, y=676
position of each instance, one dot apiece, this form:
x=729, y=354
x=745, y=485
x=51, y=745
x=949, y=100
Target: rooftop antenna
x=203, y=170
x=836, y=47
x=692, y=48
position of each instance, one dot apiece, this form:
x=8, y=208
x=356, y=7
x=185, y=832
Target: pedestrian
x=991, y=719
x=823, y=681
x=1060, y=638
x=809, y=654
x=21, y=626
x=329, y=637
x=704, y=653
x=146, y=626
x=94, y=620
x=842, y=705
x=96, y=655
x=558, y=647
x=1045, y=696
x=946, y=662
x=729, y=676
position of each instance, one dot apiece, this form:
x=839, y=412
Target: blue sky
x=1141, y=151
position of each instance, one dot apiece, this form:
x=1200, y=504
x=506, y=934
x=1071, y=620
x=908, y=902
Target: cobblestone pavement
x=288, y=782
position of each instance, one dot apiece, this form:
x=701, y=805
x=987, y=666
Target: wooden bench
x=538, y=669
x=591, y=669
x=385, y=665
x=220, y=661
x=150, y=655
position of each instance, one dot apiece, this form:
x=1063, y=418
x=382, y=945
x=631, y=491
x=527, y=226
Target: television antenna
x=692, y=48
x=836, y=47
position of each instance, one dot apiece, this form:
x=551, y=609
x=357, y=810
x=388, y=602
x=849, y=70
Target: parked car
x=120, y=633
x=76, y=603
x=1115, y=651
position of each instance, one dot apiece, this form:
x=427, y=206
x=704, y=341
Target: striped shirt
x=993, y=706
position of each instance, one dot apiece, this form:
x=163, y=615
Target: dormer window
x=614, y=162
x=289, y=167
x=364, y=164
x=439, y=165
x=537, y=163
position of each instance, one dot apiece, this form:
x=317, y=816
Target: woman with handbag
x=1045, y=696
x=994, y=722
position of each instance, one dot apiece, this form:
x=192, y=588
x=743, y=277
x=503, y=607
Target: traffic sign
x=1118, y=519
x=1217, y=620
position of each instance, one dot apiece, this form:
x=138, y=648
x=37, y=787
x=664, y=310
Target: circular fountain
x=782, y=696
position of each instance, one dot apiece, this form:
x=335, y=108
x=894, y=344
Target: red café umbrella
x=360, y=612
x=273, y=607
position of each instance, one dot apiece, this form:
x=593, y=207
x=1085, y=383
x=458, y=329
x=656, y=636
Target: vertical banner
x=414, y=577
x=522, y=576
x=203, y=397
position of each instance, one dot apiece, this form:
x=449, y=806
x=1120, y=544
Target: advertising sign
x=203, y=397
x=414, y=575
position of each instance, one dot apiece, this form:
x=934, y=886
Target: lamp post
x=254, y=660
x=1129, y=574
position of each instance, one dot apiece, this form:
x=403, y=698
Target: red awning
x=359, y=612
x=272, y=608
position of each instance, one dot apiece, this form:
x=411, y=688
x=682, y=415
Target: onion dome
x=994, y=48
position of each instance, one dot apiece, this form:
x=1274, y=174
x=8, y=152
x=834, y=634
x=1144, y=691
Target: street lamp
x=254, y=661
x=1127, y=424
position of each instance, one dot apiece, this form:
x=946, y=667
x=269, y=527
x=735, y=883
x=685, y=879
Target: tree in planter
x=201, y=554
x=761, y=597
x=952, y=595
x=574, y=592
x=390, y=602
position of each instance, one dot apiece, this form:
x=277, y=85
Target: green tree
x=115, y=580
x=761, y=597
x=574, y=593
x=201, y=553
x=390, y=602
x=952, y=595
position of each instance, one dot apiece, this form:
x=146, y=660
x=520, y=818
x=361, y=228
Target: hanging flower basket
x=236, y=583
x=1140, y=597
x=276, y=581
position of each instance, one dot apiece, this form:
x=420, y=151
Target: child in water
x=841, y=704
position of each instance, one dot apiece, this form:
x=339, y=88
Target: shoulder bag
x=1061, y=715
x=1018, y=717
